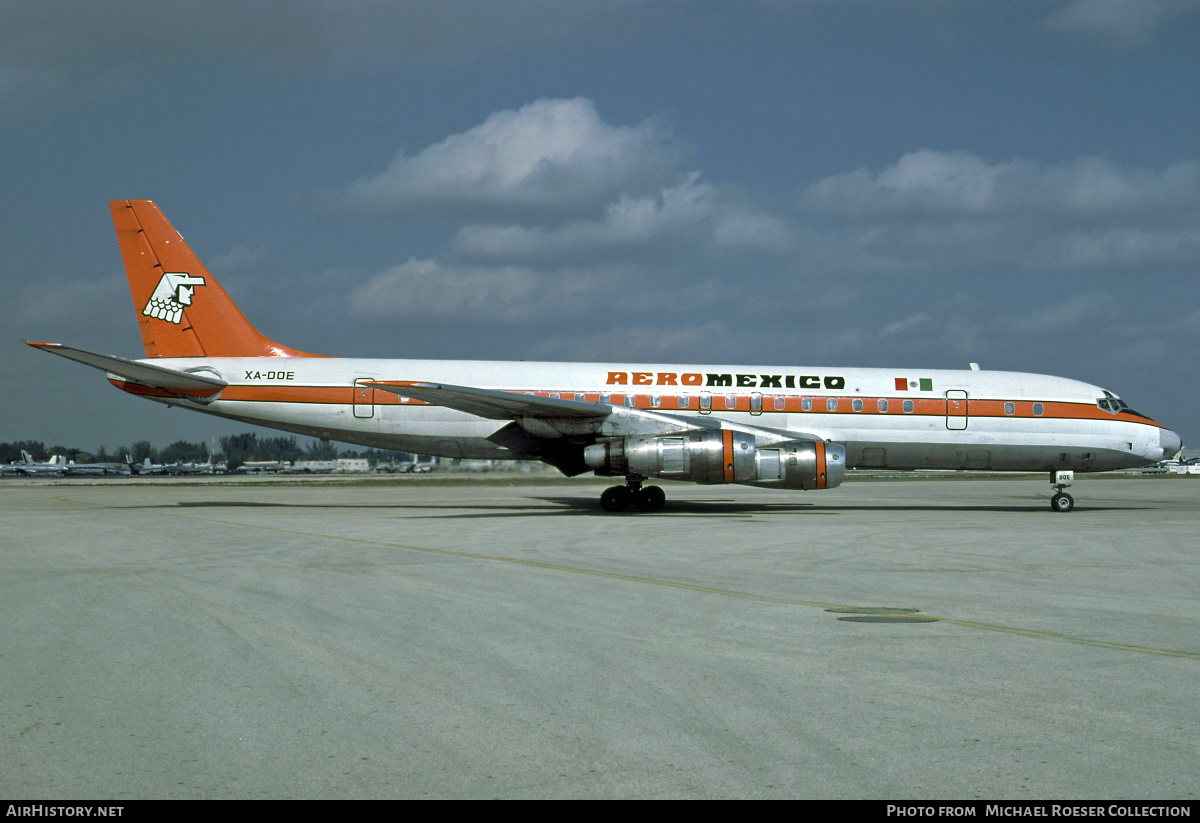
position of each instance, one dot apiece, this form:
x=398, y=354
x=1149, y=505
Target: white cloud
x=1129, y=247
x=631, y=220
x=933, y=211
x=549, y=153
x=747, y=230
x=691, y=215
x=924, y=179
x=909, y=322
x=507, y=293
x=1127, y=21
x=960, y=182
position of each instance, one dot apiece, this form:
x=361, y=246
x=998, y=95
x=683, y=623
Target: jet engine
x=722, y=456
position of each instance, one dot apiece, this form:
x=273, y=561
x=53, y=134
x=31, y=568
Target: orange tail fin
x=182, y=311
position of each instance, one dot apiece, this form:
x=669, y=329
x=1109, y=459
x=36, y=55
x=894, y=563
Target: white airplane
x=28, y=467
x=181, y=468
x=74, y=469
x=782, y=427
x=146, y=467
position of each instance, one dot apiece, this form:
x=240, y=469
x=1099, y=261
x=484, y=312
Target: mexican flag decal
x=923, y=384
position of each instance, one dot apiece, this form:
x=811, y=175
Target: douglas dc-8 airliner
x=780, y=427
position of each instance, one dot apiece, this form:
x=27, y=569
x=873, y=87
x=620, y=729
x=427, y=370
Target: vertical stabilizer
x=182, y=311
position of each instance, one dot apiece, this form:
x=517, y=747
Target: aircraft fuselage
x=884, y=418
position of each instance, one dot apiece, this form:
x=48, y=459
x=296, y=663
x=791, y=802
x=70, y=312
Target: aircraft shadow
x=591, y=506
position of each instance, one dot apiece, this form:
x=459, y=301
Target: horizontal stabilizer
x=171, y=381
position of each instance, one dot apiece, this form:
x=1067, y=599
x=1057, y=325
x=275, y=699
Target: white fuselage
x=885, y=418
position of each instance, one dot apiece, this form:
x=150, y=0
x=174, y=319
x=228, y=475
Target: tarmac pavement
x=902, y=639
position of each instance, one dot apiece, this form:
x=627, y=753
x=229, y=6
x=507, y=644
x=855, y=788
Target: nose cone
x=1170, y=442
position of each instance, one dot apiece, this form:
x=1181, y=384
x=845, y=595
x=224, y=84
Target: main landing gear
x=1061, y=501
x=644, y=499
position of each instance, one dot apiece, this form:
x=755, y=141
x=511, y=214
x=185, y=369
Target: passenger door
x=956, y=409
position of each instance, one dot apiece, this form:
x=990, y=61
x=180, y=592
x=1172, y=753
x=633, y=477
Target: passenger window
x=705, y=401
x=780, y=404
x=1010, y=408
x=831, y=404
x=856, y=404
x=882, y=406
x=805, y=404
x=1037, y=409
x=684, y=401
x=629, y=399
x=579, y=396
x=731, y=401
x=605, y=398
x=908, y=406
x=655, y=401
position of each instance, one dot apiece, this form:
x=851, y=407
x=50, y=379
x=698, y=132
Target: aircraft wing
x=168, y=381
x=574, y=419
x=492, y=404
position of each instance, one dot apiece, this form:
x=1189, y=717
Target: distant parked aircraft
x=56, y=466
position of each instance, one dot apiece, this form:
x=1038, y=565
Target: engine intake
x=722, y=456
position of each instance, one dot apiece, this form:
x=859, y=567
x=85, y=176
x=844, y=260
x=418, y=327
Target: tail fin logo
x=171, y=296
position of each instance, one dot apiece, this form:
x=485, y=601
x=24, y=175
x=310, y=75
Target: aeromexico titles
x=782, y=428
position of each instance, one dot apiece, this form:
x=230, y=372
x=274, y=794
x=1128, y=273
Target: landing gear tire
x=650, y=499
x=616, y=498
x=643, y=499
x=1062, y=502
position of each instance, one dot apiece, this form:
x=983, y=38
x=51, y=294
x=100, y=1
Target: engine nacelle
x=722, y=456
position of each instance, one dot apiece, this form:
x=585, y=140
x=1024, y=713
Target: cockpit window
x=1113, y=404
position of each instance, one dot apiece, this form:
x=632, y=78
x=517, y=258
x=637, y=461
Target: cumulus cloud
x=506, y=293
x=938, y=209
x=960, y=182
x=631, y=220
x=748, y=230
x=547, y=154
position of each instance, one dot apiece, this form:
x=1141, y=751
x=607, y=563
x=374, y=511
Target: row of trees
x=234, y=450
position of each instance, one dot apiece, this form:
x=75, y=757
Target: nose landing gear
x=1061, y=501
x=620, y=498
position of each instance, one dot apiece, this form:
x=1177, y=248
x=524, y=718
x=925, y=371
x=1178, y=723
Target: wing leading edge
x=554, y=418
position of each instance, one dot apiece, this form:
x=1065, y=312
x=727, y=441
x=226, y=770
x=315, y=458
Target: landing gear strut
x=620, y=498
x=1061, y=501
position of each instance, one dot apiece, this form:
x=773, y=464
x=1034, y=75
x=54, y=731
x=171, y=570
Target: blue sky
x=898, y=184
